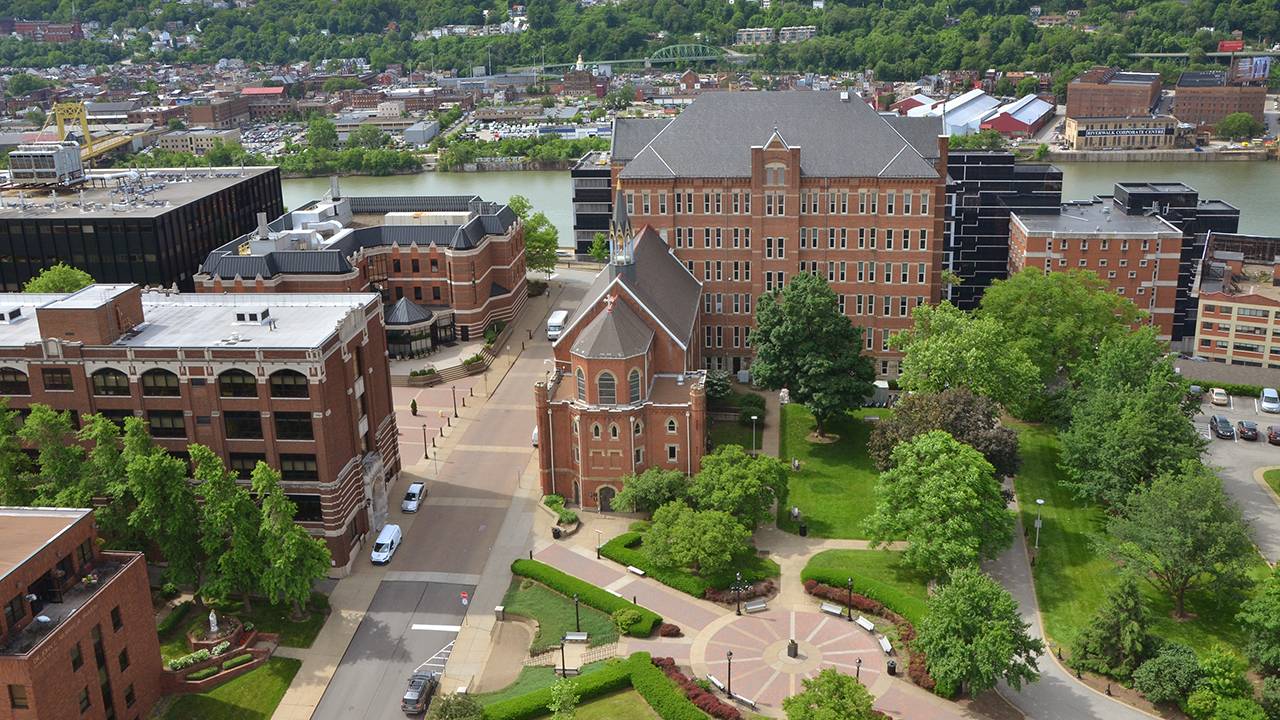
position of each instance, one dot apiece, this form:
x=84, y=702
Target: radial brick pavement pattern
x=762, y=669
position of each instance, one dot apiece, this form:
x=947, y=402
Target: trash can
x=555, y=533
x=804, y=530
x=893, y=667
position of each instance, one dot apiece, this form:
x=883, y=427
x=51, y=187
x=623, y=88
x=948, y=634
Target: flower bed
x=917, y=667
x=701, y=698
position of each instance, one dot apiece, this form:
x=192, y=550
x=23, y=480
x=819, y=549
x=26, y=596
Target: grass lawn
x=835, y=486
x=731, y=432
x=252, y=696
x=1272, y=477
x=1072, y=575
x=878, y=575
x=626, y=549
x=266, y=618
x=531, y=678
x=554, y=614
x=626, y=705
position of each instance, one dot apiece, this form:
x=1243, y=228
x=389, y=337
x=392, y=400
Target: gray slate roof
x=617, y=333
x=407, y=312
x=714, y=135
x=658, y=280
x=921, y=132
x=630, y=135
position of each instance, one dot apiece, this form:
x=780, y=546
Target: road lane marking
x=438, y=628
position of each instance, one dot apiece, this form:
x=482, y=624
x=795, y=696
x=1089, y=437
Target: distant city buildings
x=196, y=141
x=1137, y=132
x=1238, y=288
x=1111, y=92
x=1205, y=97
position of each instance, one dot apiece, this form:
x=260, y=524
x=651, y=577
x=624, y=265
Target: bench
x=884, y=645
x=832, y=609
x=635, y=570
x=615, y=593
x=575, y=637
x=755, y=606
x=715, y=681
x=865, y=624
x=745, y=701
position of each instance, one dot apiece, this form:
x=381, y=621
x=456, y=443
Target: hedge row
x=637, y=671
x=909, y=607
x=589, y=594
x=176, y=616
x=1231, y=388
x=237, y=661
x=204, y=673
x=625, y=549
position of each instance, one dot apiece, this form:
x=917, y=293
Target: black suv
x=417, y=698
x=1221, y=427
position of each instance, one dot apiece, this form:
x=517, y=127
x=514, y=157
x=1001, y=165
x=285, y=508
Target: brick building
x=627, y=393
x=78, y=638
x=1238, y=287
x=219, y=112
x=46, y=31
x=1137, y=132
x=1136, y=254
x=458, y=260
x=198, y=141
x=1205, y=97
x=1112, y=92
x=750, y=188
x=299, y=381
x=265, y=103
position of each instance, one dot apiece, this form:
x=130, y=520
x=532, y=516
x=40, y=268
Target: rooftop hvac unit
x=46, y=163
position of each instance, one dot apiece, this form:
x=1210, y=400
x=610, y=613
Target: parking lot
x=1236, y=461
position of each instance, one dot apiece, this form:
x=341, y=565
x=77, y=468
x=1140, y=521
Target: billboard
x=1230, y=45
x=1254, y=69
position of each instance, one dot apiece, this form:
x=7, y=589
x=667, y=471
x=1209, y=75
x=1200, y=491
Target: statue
x=784, y=397
x=213, y=622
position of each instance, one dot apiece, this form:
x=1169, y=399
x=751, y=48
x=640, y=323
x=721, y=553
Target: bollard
x=530, y=554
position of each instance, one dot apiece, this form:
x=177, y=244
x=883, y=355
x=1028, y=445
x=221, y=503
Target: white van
x=555, y=324
x=386, y=544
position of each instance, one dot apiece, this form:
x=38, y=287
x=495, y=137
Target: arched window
x=575, y=426
x=613, y=431
x=14, y=382
x=109, y=381
x=237, y=383
x=637, y=427
x=671, y=425
x=607, y=389
x=289, y=384
x=595, y=431
x=633, y=382
x=582, y=385
x=160, y=383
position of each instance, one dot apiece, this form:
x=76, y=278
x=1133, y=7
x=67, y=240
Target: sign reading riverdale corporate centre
x=1129, y=132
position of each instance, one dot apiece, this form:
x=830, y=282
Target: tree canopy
x=651, y=489
x=58, y=278
x=1239, y=126
x=805, y=344
x=743, y=486
x=971, y=419
x=830, y=695
x=705, y=541
x=1260, y=618
x=1118, y=639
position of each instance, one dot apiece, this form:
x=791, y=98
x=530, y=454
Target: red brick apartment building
x=1112, y=92
x=449, y=266
x=300, y=381
x=219, y=112
x=1136, y=254
x=627, y=392
x=78, y=638
x=1239, y=291
x=749, y=189
x=1205, y=97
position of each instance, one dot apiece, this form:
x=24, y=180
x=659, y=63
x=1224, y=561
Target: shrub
x=669, y=630
x=456, y=707
x=615, y=675
x=176, y=616
x=553, y=501
x=168, y=591
x=1271, y=698
x=204, y=673
x=1169, y=676
x=1201, y=704
x=220, y=648
x=237, y=661
x=695, y=692
x=567, y=517
x=536, y=287
x=625, y=549
x=589, y=594
x=624, y=618
x=1238, y=709
x=1231, y=388
x=473, y=360
x=186, y=661
x=422, y=373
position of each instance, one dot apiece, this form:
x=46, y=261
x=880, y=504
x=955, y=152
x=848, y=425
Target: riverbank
x=1182, y=156
x=393, y=173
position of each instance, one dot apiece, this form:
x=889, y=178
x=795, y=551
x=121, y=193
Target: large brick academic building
x=749, y=189
x=297, y=380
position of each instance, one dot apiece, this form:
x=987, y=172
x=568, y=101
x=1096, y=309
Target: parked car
x=535, y=436
x=1222, y=427
x=1218, y=396
x=389, y=540
x=417, y=697
x=1273, y=434
x=1247, y=430
x=1195, y=393
x=413, y=497
x=1269, y=400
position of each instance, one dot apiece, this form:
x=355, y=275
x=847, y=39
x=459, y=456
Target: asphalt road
x=1236, y=460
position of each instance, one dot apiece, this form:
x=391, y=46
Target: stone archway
x=606, y=498
x=577, y=493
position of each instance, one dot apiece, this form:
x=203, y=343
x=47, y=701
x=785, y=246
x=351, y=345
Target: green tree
x=177, y=124
x=59, y=278
x=948, y=348
x=805, y=344
x=1169, y=676
x=521, y=206
x=984, y=140
x=974, y=636
x=456, y=707
x=541, y=239
x=718, y=386
x=296, y=559
x=564, y=700
x=943, y=498
x=35, y=116
x=704, y=541
x=651, y=489
x=1183, y=533
x=1058, y=318
x=1028, y=85
x=971, y=419
x=1239, y=126
x=734, y=482
x=103, y=462
x=367, y=136
x=322, y=134
x=1118, y=638
x=1222, y=673
x=229, y=530
x=25, y=84
x=166, y=513
x=1260, y=618
x=599, y=247
x=15, y=466
x=60, y=460
x=830, y=695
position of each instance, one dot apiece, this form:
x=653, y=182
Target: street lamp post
x=850, y=585
x=597, y=544
x=728, y=656
x=753, y=433
x=737, y=592
x=424, y=442
x=577, y=617
x=1039, y=504
x=857, y=670
x=454, y=388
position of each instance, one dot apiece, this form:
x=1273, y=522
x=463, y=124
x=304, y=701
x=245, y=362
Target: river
x=1254, y=187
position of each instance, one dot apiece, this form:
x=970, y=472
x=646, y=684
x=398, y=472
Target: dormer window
x=11, y=315
x=253, y=317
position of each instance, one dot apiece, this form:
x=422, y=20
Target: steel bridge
x=684, y=52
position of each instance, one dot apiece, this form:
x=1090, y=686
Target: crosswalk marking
x=440, y=628
x=439, y=660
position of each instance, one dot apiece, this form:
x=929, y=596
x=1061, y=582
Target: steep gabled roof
x=614, y=333
x=407, y=312
x=630, y=135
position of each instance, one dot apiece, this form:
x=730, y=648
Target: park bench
x=716, y=681
x=832, y=609
x=635, y=570
x=884, y=645
x=755, y=606
x=865, y=624
x=745, y=701
x=575, y=637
